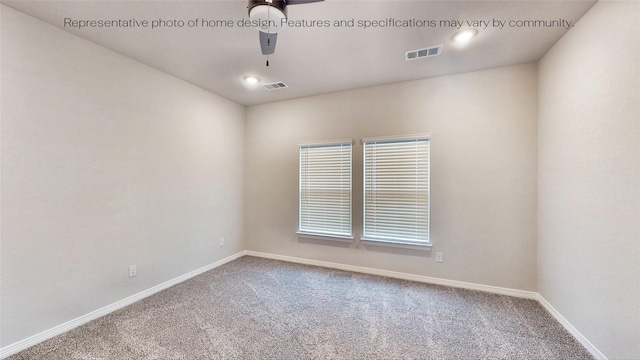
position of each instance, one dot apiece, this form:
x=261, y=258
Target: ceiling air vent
x=423, y=53
x=275, y=85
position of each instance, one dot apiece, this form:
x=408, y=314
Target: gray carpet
x=254, y=308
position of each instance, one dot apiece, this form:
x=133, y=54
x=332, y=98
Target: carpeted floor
x=254, y=308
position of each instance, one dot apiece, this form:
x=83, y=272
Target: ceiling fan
x=270, y=17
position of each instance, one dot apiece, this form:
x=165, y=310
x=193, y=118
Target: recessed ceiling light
x=251, y=80
x=464, y=36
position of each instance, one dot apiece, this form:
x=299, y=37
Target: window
x=396, y=190
x=325, y=189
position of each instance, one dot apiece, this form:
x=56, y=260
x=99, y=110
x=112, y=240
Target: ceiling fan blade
x=298, y=2
x=268, y=43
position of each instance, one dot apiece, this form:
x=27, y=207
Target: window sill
x=397, y=243
x=310, y=235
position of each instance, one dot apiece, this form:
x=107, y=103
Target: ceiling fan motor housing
x=268, y=16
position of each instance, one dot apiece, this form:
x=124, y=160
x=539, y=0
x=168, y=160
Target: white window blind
x=325, y=189
x=396, y=190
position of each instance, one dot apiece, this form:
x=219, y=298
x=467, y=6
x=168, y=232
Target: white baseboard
x=572, y=330
x=398, y=275
x=459, y=284
x=57, y=330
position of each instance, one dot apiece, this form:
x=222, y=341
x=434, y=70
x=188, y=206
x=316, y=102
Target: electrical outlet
x=133, y=271
x=439, y=257
x=221, y=241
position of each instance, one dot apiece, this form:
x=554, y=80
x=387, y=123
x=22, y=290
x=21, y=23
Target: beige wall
x=589, y=176
x=483, y=167
x=106, y=163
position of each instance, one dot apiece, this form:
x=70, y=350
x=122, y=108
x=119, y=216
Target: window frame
x=305, y=231
x=371, y=237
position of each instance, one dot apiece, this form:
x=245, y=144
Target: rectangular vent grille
x=275, y=85
x=423, y=53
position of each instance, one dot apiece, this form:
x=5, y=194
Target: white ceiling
x=313, y=60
